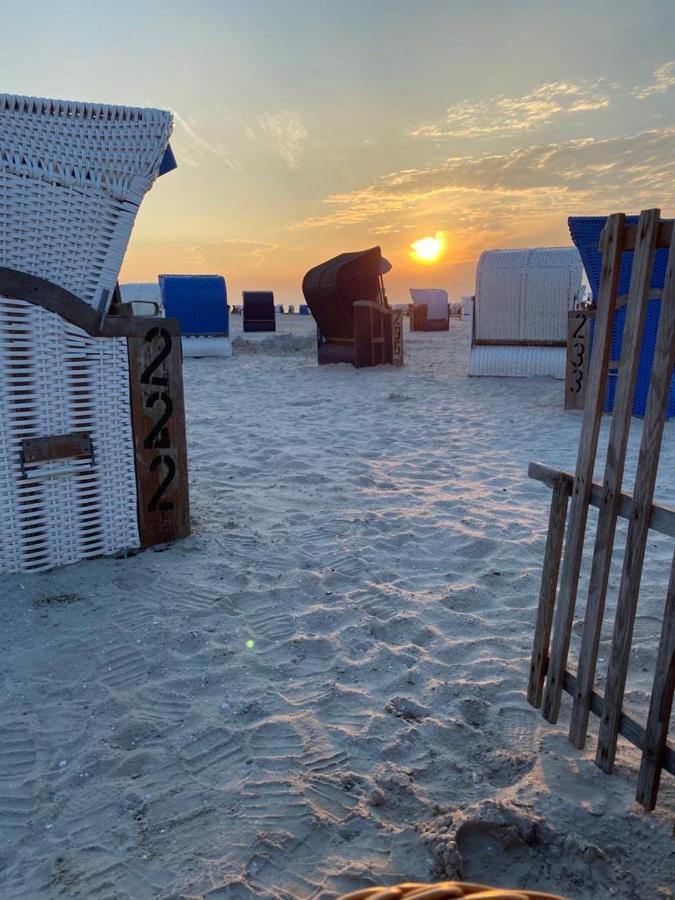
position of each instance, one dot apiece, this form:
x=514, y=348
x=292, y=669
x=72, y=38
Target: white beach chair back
x=525, y=295
x=72, y=176
x=436, y=301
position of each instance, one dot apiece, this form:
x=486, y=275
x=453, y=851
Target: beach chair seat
x=259, y=311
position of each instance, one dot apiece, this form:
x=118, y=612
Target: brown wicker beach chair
x=347, y=299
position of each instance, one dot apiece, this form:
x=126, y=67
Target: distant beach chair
x=143, y=298
x=585, y=232
x=430, y=310
x=520, y=311
x=291, y=310
x=78, y=477
x=456, y=311
x=304, y=309
x=467, y=304
x=199, y=302
x=259, y=311
x=354, y=322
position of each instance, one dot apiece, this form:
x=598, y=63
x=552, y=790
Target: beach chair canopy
x=72, y=176
x=585, y=232
x=435, y=300
x=199, y=302
x=524, y=295
x=331, y=289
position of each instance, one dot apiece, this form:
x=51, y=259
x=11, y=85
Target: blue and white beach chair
x=585, y=231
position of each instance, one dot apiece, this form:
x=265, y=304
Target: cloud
x=507, y=115
x=191, y=147
x=664, y=79
x=624, y=172
x=219, y=255
x=285, y=133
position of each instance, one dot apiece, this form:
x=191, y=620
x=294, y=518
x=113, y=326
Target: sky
x=306, y=128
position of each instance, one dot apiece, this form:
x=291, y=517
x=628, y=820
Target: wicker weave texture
x=435, y=299
x=525, y=295
x=55, y=379
x=206, y=345
x=72, y=176
x=518, y=362
x=446, y=890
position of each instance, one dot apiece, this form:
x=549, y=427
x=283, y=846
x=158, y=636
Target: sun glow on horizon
x=428, y=249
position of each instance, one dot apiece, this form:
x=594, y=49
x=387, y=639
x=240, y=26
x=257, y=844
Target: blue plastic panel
x=199, y=302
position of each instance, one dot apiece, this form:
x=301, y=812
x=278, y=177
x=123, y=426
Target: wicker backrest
x=525, y=295
x=72, y=176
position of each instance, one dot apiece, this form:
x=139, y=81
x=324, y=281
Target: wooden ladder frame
x=549, y=675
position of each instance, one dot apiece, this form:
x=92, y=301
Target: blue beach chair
x=199, y=302
x=585, y=232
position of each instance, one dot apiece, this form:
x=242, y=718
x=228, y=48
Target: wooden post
x=660, y=706
x=564, y=615
x=549, y=586
x=638, y=527
x=578, y=356
x=640, y=282
x=397, y=337
x=158, y=419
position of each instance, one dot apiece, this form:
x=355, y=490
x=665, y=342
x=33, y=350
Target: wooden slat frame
x=656, y=754
x=583, y=479
x=549, y=584
x=662, y=518
x=638, y=527
x=641, y=275
x=640, y=511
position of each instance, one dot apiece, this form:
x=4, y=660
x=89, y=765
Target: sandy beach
x=324, y=686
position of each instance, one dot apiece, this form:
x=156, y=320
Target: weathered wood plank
x=660, y=707
x=638, y=527
x=56, y=446
x=619, y=432
x=633, y=731
x=663, y=240
x=662, y=518
x=578, y=356
x=583, y=479
x=397, y=337
x=158, y=420
x=549, y=587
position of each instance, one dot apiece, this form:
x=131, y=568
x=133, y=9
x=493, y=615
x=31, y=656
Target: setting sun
x=428, y=249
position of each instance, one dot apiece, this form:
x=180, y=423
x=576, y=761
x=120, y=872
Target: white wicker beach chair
x=72, y=176
x=521, y=305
